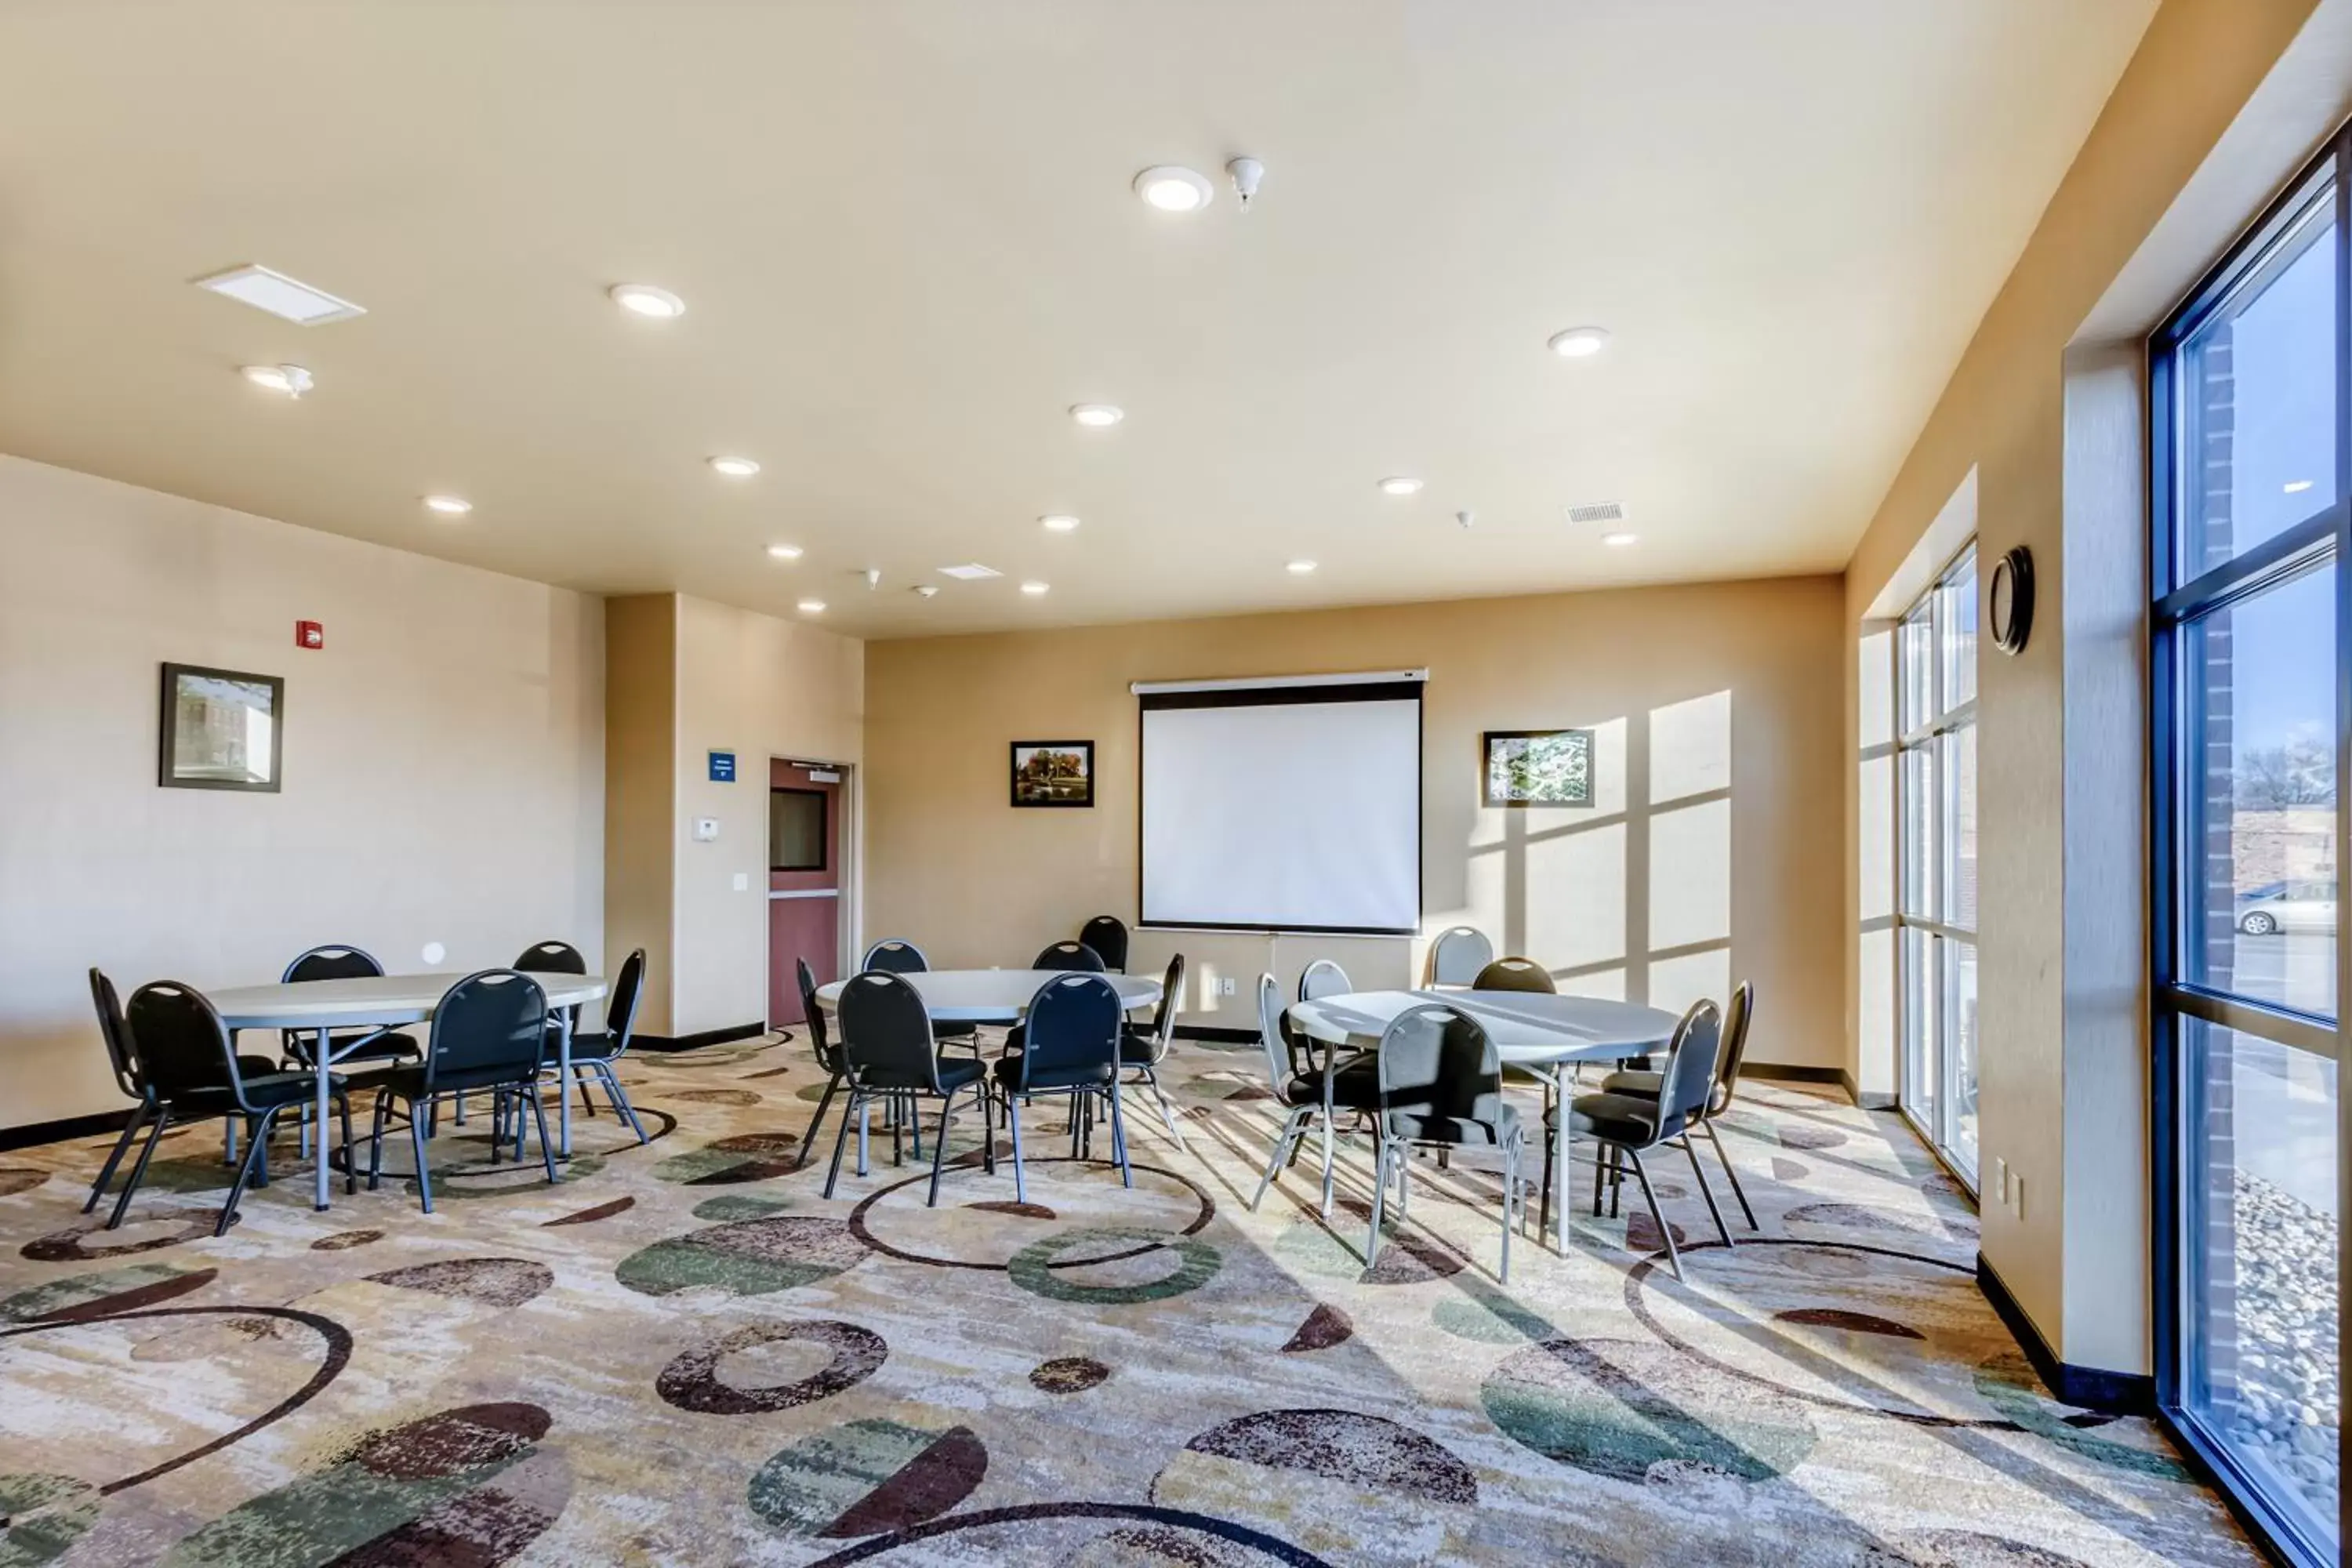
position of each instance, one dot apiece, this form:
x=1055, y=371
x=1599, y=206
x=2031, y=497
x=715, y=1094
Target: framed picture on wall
x=1053, y=773
x=1539, y=767
x=222, y=729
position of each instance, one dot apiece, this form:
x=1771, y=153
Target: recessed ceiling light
x=1578, y=342
x=735, y=468
x=1299, y=568
x=645, y=299
x=785, y=551
x=1400, y=484
x=448, y=506
x=1618, y=540
x=970, y=572
x=811, y=606
x=1173, y=189
x=1097, y=415
x=1035, y=588
x=290, y=379
x=1059, y=522
x=2293, y=486
x=280, y=296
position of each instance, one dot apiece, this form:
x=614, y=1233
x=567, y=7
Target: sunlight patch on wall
x=1690, y=874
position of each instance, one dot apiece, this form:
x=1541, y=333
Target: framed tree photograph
x=1053, y=773
x=1539, y=767
x=222, y=729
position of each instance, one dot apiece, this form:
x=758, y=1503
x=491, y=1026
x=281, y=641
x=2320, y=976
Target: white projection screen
x=1283, y=808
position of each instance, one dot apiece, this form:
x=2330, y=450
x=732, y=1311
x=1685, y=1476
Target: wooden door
x=805, y=844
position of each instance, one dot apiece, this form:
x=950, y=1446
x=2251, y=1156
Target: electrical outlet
x=2017, y=1204
x=742, y=881
x=1224, y=985
x=2000, y=1179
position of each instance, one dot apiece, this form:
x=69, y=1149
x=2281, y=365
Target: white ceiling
x=906, y=239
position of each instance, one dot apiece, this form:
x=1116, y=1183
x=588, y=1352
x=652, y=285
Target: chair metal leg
x=1617, y=1180
x=228, y=1141
x=105, y=1172
x=245, y=1171
x=587, y=1105
x=500, y=1107
x=1167, y=1112
x=546, y=1147
x=1013, y=1122
x=458, y=1115
x=375, y=1142
x=987, y=1126
x=1119, y=1133
x=863, y=1109
x=914, y=1119
x=350, y=1158
x=940, y=1147
x=898, y=1135
x=1293, y=1126
x=138, y=1170
x=620, y=1099
x=1731, y=1171
x=808, y=1138
x=416, y=1115
x=849, y=1113
x=1543, y=1214
x=1705, y=1191
x=1405, y=1182
x=1510, y=1185
x=1380, y=1194
x=1666, y=1232
x=1601, y=1154
x=1330, y=1115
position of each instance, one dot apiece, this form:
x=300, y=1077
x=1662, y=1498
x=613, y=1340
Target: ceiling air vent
x=1598, y=512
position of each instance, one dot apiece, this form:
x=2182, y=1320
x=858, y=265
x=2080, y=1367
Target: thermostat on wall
x=706, y=828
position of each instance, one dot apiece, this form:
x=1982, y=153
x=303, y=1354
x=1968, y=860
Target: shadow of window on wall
x=1629, y=898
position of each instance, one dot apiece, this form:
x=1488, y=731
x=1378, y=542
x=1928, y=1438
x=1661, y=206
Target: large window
x=1938, y=918
x=2248, y=652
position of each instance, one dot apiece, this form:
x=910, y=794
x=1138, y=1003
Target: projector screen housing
x=1290, y=806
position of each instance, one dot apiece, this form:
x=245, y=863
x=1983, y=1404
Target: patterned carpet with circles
x=683, y=1353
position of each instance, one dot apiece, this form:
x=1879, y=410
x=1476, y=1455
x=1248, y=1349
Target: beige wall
x=2046, y=410
x=1711, y=850
x=641, y=791
x=443, y=762
x=688, y=676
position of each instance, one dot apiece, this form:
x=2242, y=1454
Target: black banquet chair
x=1514, y=974
x=594, y=1053
x=828, y=1056
x=489, y=1032
x=1458, y=954
x=124, y=1059
x=888, y=1050
x=1072, y=958
x=185, y=1060
x=1305, y=1090
x=1141, y=1051
x=1106, y=934
x=355, y=1050
x=1072, y=1048
x=896, y=955
x=1628, y=1126
x=1441, y=1086
x=1736, y=1019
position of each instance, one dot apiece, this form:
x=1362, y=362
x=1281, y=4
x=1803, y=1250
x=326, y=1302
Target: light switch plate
x=742, y=881
x=706, y=830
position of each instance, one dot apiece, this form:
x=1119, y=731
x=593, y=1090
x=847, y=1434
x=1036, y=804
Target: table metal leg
x=562, y=1082
x=322, y=1066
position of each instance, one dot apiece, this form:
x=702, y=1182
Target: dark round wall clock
x=2009, y=600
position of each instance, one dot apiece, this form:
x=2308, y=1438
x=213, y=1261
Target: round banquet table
x=385, y=1001
x=1535, y=1031
x=997, y=995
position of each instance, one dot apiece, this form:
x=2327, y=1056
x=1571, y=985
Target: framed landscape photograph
x=1053, y=773
x=1539, y=767
x=222, y=729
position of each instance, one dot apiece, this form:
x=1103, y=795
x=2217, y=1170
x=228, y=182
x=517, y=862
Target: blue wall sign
x=722, y=767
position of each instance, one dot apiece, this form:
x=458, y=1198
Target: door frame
x=849, y=912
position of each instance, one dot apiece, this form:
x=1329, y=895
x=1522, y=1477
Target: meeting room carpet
x=684, y=1355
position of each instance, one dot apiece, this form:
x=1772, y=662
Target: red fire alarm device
x=310, y=634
